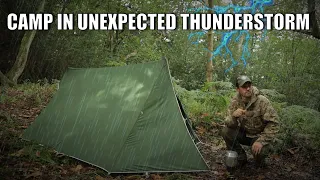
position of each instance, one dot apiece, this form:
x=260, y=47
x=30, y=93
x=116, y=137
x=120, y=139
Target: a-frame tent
x=122, y=119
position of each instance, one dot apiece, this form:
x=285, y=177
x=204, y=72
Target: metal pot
x=231, y=159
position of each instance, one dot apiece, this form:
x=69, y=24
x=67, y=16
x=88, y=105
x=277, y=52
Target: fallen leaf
x=215, y=124
x=100, y=178
x=18, y=153
x=76, y=169
x=38, y=153
x=290, y=151
x=64, y=172
x=216, y=172
x=261, y=177
x=25, y=116
x=23, y=127
x=133, y=177
x=292, y=166
x=275, y=157
x=34, y=174
x=217, y=147
x=156, y=177
x=60, y=155
x=288, y=169
x=201, y=129
x=293, y=150
x=204, y=115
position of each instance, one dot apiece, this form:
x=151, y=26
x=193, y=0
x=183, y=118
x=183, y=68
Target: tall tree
x=210, y=48
x=315, y=30
x=11, y=78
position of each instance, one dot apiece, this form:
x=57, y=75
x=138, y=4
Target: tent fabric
x=121, y=119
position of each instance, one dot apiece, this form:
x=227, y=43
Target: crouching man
x=251, y=121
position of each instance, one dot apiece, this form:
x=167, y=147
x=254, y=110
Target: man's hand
x=256, y=148
x=238, y=113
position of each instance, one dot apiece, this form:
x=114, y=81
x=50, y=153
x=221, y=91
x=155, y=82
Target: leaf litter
x=17, y=160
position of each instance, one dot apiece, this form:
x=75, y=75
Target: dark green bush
x=300, y=127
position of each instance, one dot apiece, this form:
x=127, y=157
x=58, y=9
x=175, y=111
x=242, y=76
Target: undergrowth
x=205, y=105
x=33, y=93
x=300, y=126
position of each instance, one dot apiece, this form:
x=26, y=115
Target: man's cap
x=243, y=79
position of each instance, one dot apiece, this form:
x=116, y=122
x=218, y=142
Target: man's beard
x=248, y=94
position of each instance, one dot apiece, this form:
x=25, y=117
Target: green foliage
x=39, y=153
x=223, y=88
x=284, y=61
x=273, y=95
x=115, y=63
x=287, y=62
x=278, y=106
x=54, y=51
x=203, y=105
x=187, y=62
x=35, y=93
x=285, y=66
x=300, y=126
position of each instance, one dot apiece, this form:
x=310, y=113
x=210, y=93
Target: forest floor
x=23, y=160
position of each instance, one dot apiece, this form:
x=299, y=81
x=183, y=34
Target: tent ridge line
x=153, y=86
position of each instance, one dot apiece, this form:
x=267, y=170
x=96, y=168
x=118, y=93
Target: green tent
x=122, y=119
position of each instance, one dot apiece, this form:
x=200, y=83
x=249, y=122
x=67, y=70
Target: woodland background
x=285, y=66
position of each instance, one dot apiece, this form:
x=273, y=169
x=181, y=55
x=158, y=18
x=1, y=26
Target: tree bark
x=64, y=5
x=315, y=31
x=5, y=81
x=210, y=48
x=314, y=24
x=22, y=57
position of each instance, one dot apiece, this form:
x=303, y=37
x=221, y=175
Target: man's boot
x=242, y=158
x=260, y=159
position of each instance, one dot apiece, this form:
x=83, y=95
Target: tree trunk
x=313, y=19
x=238, y=70
x=5, y=81
x=314, y=24
x=64, y=5
x=210, y=48
x=22, y=57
